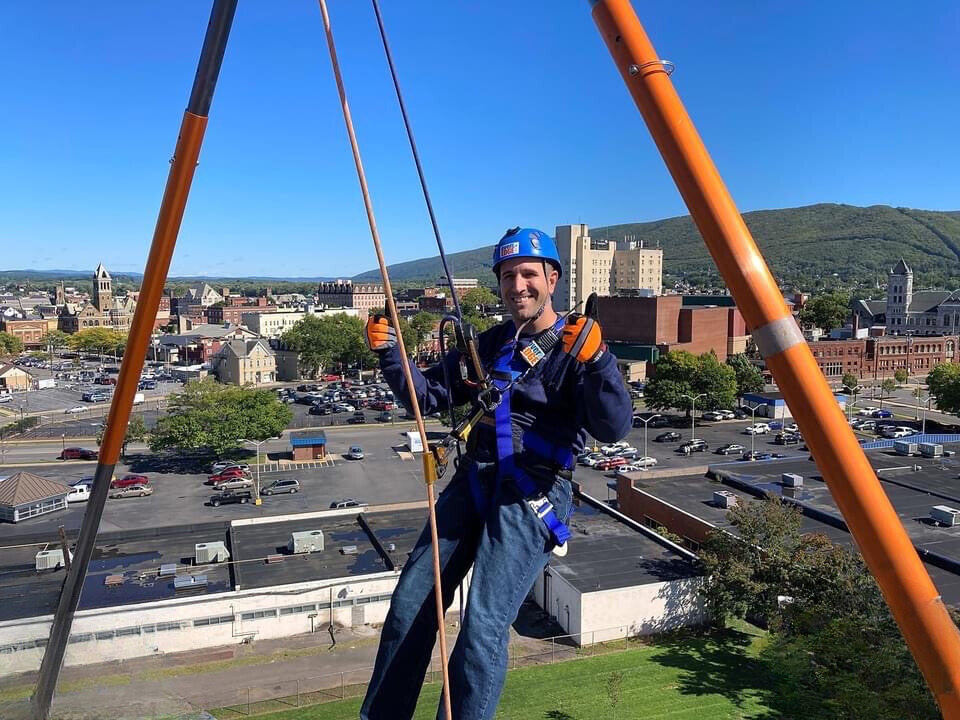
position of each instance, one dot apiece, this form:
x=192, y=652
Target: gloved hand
x=379, y=333
x=582, y=338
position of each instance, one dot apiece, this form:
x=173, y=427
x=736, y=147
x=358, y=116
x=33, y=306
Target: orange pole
x=914, y=602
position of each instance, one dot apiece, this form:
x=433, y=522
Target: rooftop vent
x=724, y=499
x=185, y=582
x=945, y=515
x=349, y=550
x=307, y=541
x=791, y=480
x=168, y=570
x=211, y=552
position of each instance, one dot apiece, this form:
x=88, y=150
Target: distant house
x=199, y=344
x=245, y=362
x=14, y=378
x=24, y=495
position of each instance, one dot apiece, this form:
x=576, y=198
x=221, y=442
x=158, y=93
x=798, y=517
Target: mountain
x=812, y=246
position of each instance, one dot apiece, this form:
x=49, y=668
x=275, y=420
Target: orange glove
x=582, y=338
x=379, y=333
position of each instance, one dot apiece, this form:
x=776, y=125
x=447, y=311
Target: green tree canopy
x=98, y=340
x=826, y=311
x=849, y=382
x=944, y=385
x=679, y=373
x=55, y=339
x=749, y=377
x=216, y=418
x=422, y=325
x=901, y=376
x=10, y=344
x=136, y=432
x=477, y=299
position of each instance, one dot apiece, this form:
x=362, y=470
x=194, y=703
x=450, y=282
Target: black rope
x=416, y=160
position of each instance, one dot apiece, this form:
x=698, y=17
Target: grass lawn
x=679, y=677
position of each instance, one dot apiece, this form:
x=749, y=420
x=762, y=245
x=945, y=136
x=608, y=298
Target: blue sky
x=520, y=117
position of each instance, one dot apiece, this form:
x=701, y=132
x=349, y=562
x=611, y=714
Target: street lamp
x=645, y=421
x=257, y=444
x=926, y=405
x=693, y=412
x=63, y=443
x=753, y=433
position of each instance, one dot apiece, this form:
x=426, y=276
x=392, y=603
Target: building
x=24, y=495
x=308, y=445
x=30, y=331
x=343, y=293
x=275, y=324
x=907, y=311
x=233, y=311
x=587, y=266
x=245, y=362
x=199, y=344
x=461, y=285
x=880, y=357
x=103, y=310
x=14, y=378
x=599, y=266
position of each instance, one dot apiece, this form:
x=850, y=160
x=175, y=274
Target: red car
x=610, y=463
x=230, y=474
x=75, y=453
x=330, y=378
x=129, y=481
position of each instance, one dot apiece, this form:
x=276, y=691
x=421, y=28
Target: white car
x=900, y=431
x=222, y=465
x=591, y=460
x=624, y=469
x=75, y=409
x=757, y=429
x=713, y=415
x=867, y=411
x=792, y=427
x=6, y=397
x=614, y=447
x=628, y=451
x=645, y=462
x=79, y=493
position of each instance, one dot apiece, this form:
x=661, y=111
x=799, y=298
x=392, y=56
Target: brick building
x=30, y=331
x=234, y=312
x=343, y=293
x=880, y=357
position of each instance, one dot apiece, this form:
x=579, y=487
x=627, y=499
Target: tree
x=679, y=373
x=98, y=340
x=886, y=388
x=10, y=344
x=136, y=432
x=422, y=324
x=749, y=378
x=849, y=382
x=826, y=311
x=944, y=385
x=216, y=418
x=901, y=376
x=54, y=340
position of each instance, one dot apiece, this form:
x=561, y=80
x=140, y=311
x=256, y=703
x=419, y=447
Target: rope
x=392, y=311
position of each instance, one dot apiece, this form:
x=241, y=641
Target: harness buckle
x=540, y=506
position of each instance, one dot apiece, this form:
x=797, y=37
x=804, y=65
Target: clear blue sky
x=520, y=117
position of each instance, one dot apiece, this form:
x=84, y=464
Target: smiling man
x=505, y=508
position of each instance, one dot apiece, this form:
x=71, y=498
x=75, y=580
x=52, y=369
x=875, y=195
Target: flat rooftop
x=605, y=553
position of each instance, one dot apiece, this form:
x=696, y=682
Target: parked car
x=346, y=503
x=867, y=411
x=592, y=460
x=320, y=410
x=792, y=427
x=239, y=483
x=712, y=415
x=6, y=397
x=644, y=462
x=75, y=409
x=224, y=464
x=610, y=463
x=786, y=438
x=775, y=425
x=659, y=422
x=147, y=385
x=385, y=416
x=867, y=425
x=614, y=448
x=79, y=493
x=881, y=414
x=231, y=496
x=132, y=491
x=669, y=436
x=727, y=414
x=129, y=480
x=756, y=429
x=695, y=445
x=225, y=475
x=355, y=453
x=358, y=418
x=284, y=485
x=629, y=468
x=730, y=449
x=760, y=455
x=897, y=431
x=75, y=453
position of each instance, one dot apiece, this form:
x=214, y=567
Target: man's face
x=524, y=287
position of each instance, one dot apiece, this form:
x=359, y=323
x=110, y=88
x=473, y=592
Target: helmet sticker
x=535, y=240
x=509, y=249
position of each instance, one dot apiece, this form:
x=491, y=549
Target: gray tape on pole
x=777, y=336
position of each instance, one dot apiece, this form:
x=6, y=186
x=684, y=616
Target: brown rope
x=429, y=473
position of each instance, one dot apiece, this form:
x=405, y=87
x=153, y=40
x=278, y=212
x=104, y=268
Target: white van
x=414, y=442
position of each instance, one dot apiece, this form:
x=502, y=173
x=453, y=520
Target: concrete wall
x=561, y=601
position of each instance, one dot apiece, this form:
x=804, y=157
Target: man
x=505, y=507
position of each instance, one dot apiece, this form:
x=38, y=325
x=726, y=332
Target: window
x=295, y=609
x=167, y=626
x=217, y=620
x=257, y=614
x=123, y=632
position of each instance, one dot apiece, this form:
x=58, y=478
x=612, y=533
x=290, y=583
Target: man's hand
x=582, y=338
x=379, y=333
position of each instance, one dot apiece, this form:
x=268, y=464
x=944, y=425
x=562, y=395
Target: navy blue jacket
x=560, y=400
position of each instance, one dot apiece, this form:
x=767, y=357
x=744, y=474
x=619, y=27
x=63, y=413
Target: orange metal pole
x=917, y=607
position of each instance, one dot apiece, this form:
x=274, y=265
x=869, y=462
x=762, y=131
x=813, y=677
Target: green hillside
x=804, y=246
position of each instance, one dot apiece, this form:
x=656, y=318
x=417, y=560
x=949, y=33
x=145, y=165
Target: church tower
x=102, y=292
x=899, y=295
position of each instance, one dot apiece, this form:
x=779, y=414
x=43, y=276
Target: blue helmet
x=526, y=243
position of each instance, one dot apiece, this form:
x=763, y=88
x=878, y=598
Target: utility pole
x=645, y=421
x=693, y=413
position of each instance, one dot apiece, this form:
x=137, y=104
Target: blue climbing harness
x=507, y=367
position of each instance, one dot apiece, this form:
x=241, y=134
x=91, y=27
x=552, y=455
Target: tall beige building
x=587, y=266
x=638, y=268
x=597, y=266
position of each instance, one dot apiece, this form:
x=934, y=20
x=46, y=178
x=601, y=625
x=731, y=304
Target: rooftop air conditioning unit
x=931, y=450
x=945, y=515
x=211, y=552
x=49, y=559
x=307, y=541
x=904, y=447
x=168, y=570
x=724, y=499
x=791, y=480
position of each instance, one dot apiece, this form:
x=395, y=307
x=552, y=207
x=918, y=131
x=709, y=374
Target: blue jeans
x=508, y=547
